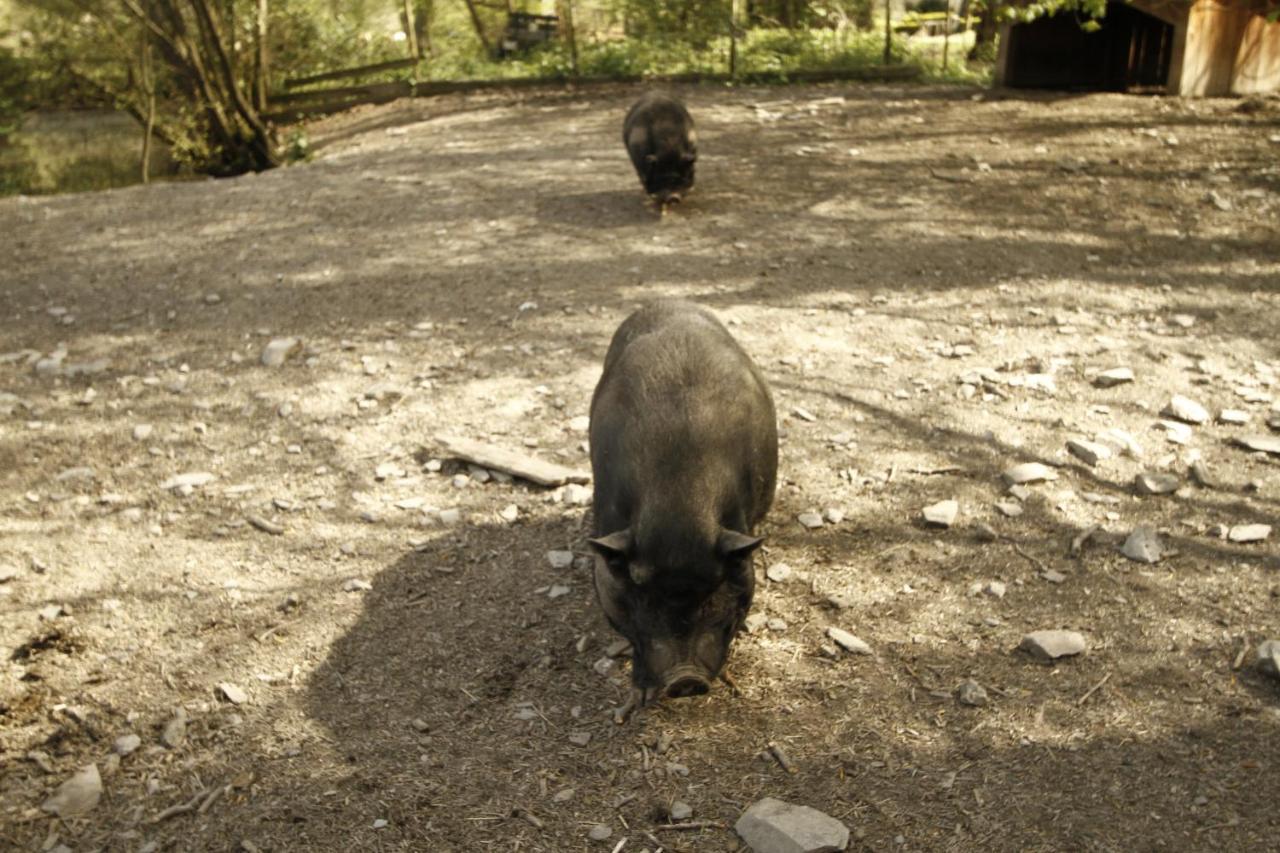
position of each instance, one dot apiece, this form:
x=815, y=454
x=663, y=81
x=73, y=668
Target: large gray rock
x=772, y=826
x=1185, y=409
x=1155, y=483
x=278, y=350
x=78, y=795
x=942, y=514
x=1143, y=545
x=1260, y=443
x=1029, y=472
x=1050, y=645
x=1249, y=532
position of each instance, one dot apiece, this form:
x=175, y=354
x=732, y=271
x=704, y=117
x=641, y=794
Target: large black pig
x=684, y=451
x=660, y=138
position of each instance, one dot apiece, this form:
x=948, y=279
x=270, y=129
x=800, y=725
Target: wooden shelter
x=1181, y=47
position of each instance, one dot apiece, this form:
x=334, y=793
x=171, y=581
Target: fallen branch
x=182, y=808
x=516, y=464
x=1093, y=690
x=691, y=825
x=784, y=762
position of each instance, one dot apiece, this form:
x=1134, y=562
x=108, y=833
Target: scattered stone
x=1243, y=533
x=1029, y=472
x=681, y=810
x=600, y=832
x=1233, y=416
x=1203, y=477
x=804, y=414
x=618, y=648
x=1155, y=483
x=1186, y=410
x=839, y=601
x=356, y=585
x=1112, y=377
x=1088, y=452
x=995, y=589
x=811, y=520
x=174, y=733
x=942, y=514
x=1053, y=576
x=278, y=350
x=833, y=515
x=141, y=432
x=191, y=480
x=558, y=590
x=985, y=533
x=774, y=826
x=971, y=693
x=1175, y=432
x=1050, y=645
x=848, y=642
x=265, y=525
x=509, y=513
x=7, y=573
x=126, y=744
x=580, y=738
x=1261, y=443
x=1122, y=441
x=778, y=573
x=1010, y=509
x=78, y=795
x=1143, y=545
x=1184, y=321
x=560, y=559
x=754, y=622
x=576, y=494
x=563, y=796
x=1268, y=659
x=232, y=693
x=450, y=516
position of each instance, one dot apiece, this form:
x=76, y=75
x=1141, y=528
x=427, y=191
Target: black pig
x=659, y=136
x=684, y=451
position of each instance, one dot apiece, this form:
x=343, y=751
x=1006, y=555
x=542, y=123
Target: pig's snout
x=686, y=681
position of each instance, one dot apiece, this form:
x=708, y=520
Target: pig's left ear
x=615, y=546
x=736, y=546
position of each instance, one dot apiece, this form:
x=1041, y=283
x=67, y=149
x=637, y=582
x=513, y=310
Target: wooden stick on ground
x=516, y=464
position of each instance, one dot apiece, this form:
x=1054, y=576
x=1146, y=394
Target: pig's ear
x=736, y=546
x=615, y=546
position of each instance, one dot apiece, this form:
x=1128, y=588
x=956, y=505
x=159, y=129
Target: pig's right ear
x=613, y=547
x=736, y=546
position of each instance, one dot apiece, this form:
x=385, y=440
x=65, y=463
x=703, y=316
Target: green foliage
x=1086, y=10
x=13, y=82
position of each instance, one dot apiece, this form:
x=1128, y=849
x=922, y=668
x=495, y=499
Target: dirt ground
x=929, y=277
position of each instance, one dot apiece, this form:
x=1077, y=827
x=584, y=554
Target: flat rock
x=1112, y=377
x=1142, y=545
x=1088, y=452
x=754, y=622
x=141, y=432
x=1260, y=443
x=1268, y=657
x=774, y=826
x=1051, y=645
x=1186, y=410
x=1009, y=509
x=681, y=810
x=1233, y=416
x=1029, y=472
x=356, y=585
x=278, y=350
x=833, y=515
x=76, y=796
x=972, y=693
x=811, y=520
x=233, y=694
x=560, y=559
x=191, y=480
x=848, y=642
x=1203, y=476
x=1249, y=532
x=942, y=514
x=600, y=832
x=1122, y=441
x=126, y=744
x=995, y=589
x=1155, y=483
x=1176, y=432
x=778, y=573
x=576, y=494
x=7, y=573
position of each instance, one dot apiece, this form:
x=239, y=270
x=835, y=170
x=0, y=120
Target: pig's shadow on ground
x=601, y=209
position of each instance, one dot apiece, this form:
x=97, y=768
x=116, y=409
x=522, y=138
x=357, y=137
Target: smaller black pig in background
x=684, y=452
x=659, y=136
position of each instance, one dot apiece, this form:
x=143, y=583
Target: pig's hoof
x=637, y=700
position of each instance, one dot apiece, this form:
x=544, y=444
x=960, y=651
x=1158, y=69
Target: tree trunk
x=422, y=22
x=411, y=30
x=475, y=22
x=570, y=33
x=261, y=66
x=984, y=33
x=888, y=33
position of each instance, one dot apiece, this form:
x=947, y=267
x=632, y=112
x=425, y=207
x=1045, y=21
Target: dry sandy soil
x=930, y=278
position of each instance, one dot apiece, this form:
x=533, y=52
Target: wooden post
x=571, y=34
x=410, y=30
x=733, y=40
x=146, y=73
x=946, y=36
x=260, y=69
x=888, y=33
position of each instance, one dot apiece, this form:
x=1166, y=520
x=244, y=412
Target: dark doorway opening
x=1130, y=52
